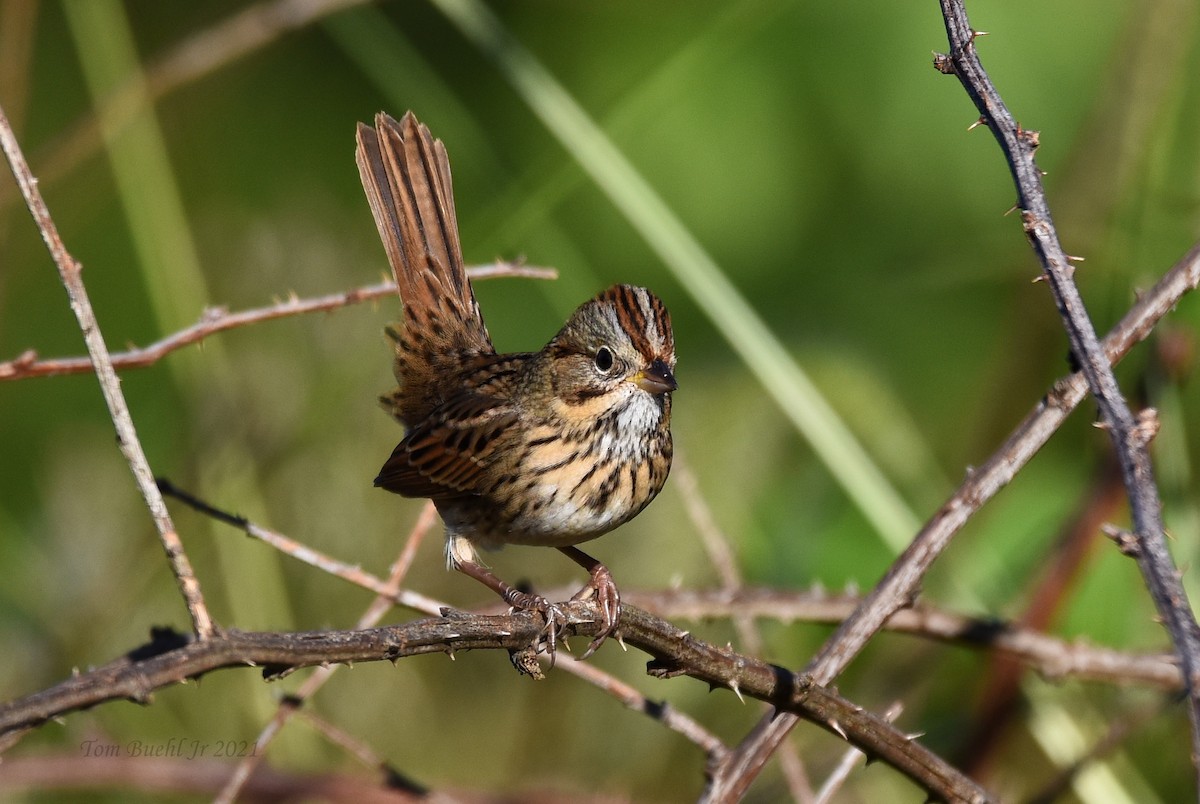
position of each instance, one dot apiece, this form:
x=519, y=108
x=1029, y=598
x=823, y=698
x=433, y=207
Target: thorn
x=976, y=34
x=1073, y=258
x=733, y=685
x=1009, y=211
x=916, y=735
x=1102, y=425
x=833, y=724
x=621, y=642
x=980, y=122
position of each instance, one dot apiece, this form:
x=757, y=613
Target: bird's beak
x=655, y=379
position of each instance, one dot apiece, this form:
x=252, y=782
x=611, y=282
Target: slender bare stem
x=302, y=552
x=218, y=319
x=71, y=273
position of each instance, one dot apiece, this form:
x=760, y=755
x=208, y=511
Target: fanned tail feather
x=406, y=175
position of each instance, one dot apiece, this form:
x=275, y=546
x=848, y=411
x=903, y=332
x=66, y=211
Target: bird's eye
x=604, y=359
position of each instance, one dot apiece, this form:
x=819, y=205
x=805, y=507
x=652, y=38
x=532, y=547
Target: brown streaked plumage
x=550, y=448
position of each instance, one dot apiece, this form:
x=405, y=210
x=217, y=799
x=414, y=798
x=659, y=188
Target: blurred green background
x=816, y=157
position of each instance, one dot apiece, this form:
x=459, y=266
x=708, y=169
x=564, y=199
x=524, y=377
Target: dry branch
x=174, y=777
x=172, y=659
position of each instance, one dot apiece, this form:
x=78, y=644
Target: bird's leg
x=524, y=601
x=605, y=590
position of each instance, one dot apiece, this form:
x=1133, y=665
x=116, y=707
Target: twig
x=219, y=319
x=898, y=586
x=165, y=662
x=302, y=552
x=71, y=273
x=1130, y=441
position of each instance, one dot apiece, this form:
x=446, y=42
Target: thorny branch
x=172, y=659
x=1050, y=656
x=1130, y=437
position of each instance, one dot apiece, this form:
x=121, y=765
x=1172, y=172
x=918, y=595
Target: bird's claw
x=609, y=599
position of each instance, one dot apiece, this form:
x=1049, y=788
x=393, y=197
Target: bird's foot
x=608, y=597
